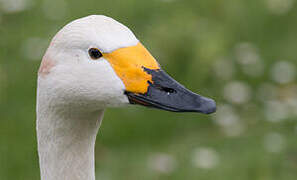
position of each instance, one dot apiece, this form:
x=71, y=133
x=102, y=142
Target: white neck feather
x=66, y=141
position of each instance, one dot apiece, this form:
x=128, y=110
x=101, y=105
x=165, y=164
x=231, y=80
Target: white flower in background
x=292, y=104
x=33, y=48
x=288, y=95
x=224, y=69
x=55, y=9
x=205, y=158
x=279, y=6
x=280, y=102
x=228, y=120
x=246, y=53
x=247, y=56
x=276, y=111
x=14, y=6
x=225, y=115
x=283, y=72
x=234, y=130
x=162, y=163
x=274, y=142
x=237, y=92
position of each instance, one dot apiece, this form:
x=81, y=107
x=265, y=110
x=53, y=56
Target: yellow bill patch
x=128, y=64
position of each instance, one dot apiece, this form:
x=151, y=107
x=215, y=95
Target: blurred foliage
x=242, y=53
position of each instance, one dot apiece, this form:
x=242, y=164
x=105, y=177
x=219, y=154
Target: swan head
x=96, y=62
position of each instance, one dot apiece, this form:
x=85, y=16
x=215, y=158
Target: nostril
x=168, y=90
x=162, y=88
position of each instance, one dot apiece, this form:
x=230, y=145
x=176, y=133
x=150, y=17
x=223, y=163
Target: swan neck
x=66, y=142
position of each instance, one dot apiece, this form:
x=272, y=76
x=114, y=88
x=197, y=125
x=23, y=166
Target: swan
x=91, y=64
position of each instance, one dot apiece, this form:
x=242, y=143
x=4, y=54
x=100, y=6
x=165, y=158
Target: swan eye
x=95, y=53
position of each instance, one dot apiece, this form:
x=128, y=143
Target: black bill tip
x=208, y=105
x=167, y=94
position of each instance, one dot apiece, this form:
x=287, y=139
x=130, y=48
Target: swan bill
x=148, y=85
x=167, y=94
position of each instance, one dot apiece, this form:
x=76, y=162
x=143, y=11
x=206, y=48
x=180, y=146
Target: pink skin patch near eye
x=45, y=66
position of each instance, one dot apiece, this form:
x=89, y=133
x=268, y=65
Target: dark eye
x=95, y=53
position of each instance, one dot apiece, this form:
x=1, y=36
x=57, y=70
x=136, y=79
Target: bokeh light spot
x=205, y=158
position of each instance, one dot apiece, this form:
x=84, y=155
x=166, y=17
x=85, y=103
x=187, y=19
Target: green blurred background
x=242, y=53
